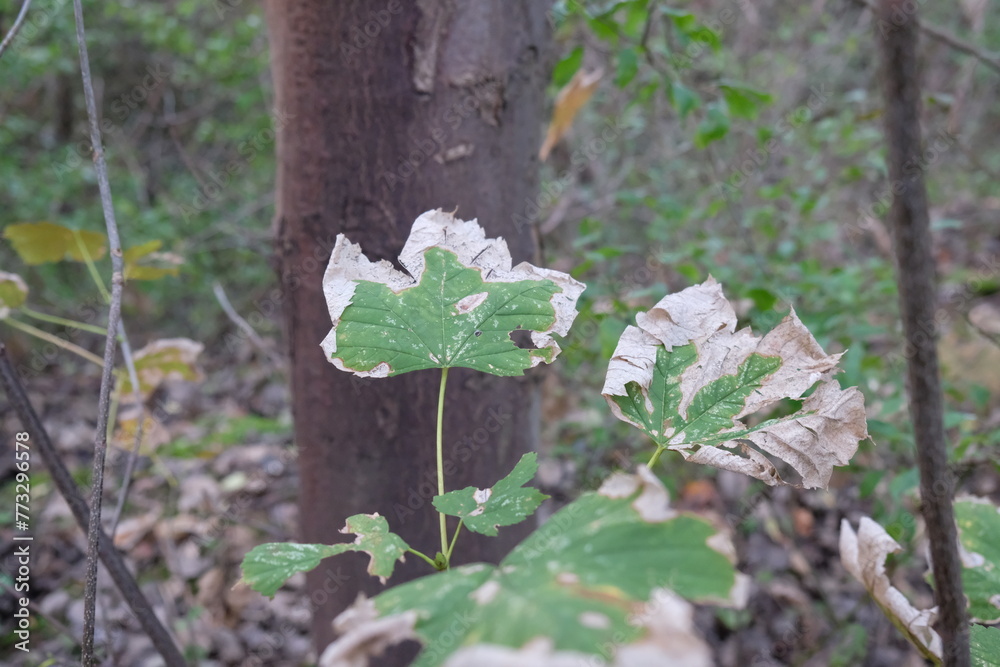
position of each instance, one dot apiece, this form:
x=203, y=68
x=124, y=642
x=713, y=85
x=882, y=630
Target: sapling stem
x=55, y=340
x=440, y=460
x=655, y=457
x=62, y=321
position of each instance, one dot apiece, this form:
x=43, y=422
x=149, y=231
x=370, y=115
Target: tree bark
x=386, y=110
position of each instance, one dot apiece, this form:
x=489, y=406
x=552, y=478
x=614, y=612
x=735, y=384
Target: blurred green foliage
x=188, y=129
x=735, y=140
x=753, y=152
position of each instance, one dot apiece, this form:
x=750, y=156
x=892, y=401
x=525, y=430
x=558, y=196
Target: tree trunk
x=389, y=109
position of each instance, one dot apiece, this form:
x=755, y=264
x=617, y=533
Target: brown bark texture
x=897, y=36
x=388, y=109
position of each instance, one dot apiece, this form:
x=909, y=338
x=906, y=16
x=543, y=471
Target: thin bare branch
x=244, y=326
x=133, y=455
x=991, y=60
x=68, y=489
x=114, y=313
x=915, y=261
x=23, y=14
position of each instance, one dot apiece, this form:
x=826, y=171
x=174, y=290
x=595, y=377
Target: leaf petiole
x=440, y=460
x=454, y=538
x=656, y=456
x=430, y=561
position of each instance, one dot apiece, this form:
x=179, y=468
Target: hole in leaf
x=522, y=339
x=478, y=333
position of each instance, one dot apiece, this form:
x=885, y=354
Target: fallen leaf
x=154, y=433
x=161, y=360
x=570, y=100
x=687, y=378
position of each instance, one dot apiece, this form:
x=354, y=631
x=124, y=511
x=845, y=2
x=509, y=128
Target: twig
x=23, y=14
x=133, y=377
x=63, y=480
x=244, y=326
x=991, y=60
x=911, y=223
x=114, y=312
x=133, y=455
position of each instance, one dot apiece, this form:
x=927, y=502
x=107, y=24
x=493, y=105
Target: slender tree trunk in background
x=897, y=34
x=391, y=109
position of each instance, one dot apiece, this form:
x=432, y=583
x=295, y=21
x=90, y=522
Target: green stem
x=440, y=458
x=62, y=321
x=429, y=560
x=94, y=274
x=55, y=340
x=454, y=538
x=656, y=456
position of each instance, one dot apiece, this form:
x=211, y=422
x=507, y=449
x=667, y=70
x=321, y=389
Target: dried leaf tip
x=687, y=378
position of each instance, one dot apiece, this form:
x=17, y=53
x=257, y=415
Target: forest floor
x=226, y=479
x=229, y=482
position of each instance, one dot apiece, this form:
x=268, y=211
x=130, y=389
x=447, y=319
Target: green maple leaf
x=457, y=307
x=268, y=566
x=506, y=503
x=582, y=581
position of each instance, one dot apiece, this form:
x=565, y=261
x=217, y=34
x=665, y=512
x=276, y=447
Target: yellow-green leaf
x=144, y=262
x=13, y=292
x=44, y=242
